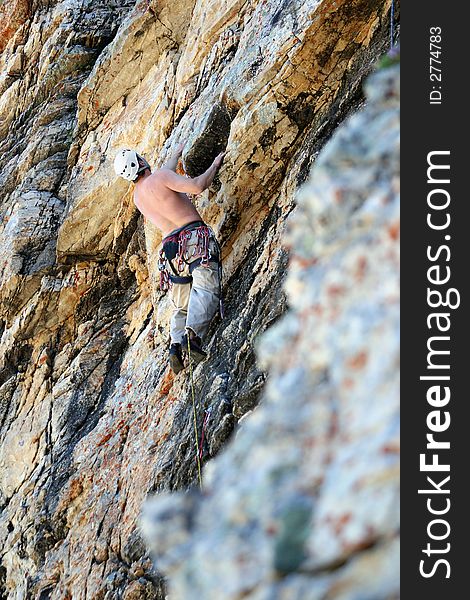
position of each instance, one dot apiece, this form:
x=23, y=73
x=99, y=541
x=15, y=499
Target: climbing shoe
x=195, y=346
x=176, y=358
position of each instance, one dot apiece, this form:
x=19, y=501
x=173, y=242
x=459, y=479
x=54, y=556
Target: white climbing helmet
x=126, y=164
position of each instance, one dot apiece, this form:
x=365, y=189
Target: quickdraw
x=164, y=275
x=183, y=254
x=202, y=248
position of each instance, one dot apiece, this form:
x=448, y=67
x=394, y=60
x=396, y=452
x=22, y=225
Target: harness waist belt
x=189, y=226
x=181, y=279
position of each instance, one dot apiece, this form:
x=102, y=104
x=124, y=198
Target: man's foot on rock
x=195, y=345
x=176, y=358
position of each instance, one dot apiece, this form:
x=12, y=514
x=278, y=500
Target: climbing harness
x=175, y=246
x=193, y=395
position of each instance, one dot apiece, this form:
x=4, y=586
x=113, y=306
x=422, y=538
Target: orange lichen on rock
x=12, y=16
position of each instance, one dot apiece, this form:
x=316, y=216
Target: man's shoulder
x=155, y=180
x=160, y=175
x=144, y=189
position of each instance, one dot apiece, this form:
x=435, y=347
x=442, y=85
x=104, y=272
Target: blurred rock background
x=303, y=501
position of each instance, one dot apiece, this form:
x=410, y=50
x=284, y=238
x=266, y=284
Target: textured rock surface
x=91, y=420
x=304, y=501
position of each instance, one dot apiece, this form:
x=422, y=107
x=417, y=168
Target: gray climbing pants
x=195, y=304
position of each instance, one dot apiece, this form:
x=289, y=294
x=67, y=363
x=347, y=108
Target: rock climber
x=190, y=256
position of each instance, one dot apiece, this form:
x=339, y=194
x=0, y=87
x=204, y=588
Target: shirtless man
x=190, y=257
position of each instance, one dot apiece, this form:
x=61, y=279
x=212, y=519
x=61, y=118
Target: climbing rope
x=392, y=19
x=193, y=395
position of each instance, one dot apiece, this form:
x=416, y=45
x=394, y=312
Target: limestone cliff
x=91, y=420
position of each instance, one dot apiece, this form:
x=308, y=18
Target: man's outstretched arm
x=194, y=185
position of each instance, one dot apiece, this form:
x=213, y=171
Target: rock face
x=91, y=419
x=303, y=503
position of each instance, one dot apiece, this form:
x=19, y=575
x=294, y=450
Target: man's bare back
x=162, y=196
x=164, y=207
